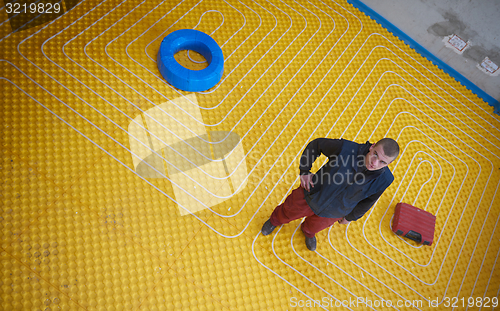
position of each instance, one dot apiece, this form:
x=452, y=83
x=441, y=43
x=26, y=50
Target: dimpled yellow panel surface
x=121, y=192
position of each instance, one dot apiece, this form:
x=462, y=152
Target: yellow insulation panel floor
x=120, y=192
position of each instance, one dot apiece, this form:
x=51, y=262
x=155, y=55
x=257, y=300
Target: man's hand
x=306, y=181
x=344, y=221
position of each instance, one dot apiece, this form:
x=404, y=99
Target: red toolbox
x=414, y=223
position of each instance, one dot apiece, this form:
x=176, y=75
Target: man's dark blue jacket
x=343, y=187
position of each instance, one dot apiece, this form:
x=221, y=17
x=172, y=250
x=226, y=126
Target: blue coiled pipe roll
x=181, y=77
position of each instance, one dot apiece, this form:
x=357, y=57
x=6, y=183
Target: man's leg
x=314, y=224
x=294, y=207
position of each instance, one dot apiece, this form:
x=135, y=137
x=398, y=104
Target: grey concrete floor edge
x=463, y=34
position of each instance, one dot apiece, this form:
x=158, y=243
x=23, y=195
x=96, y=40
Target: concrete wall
x=432, y=22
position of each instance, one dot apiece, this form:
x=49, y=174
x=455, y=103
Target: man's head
x=381, y=154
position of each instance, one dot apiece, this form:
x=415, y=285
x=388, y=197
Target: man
x=343, y=190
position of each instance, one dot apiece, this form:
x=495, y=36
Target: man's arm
x=363, y=207
x=327, y=146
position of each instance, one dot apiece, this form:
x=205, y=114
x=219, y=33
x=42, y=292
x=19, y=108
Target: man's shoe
x=267, y=228
x=311, y=243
